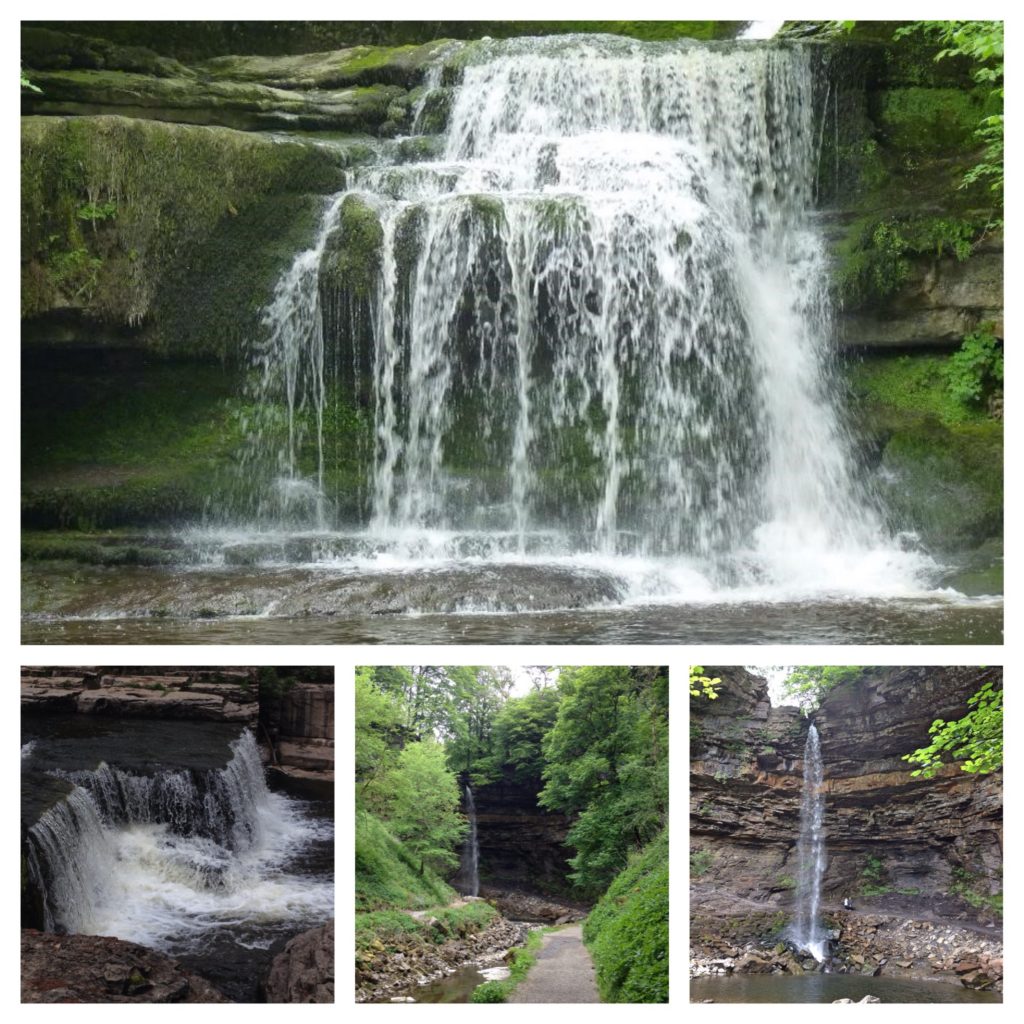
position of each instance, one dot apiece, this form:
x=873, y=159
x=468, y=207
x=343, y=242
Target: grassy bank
x=627, y=932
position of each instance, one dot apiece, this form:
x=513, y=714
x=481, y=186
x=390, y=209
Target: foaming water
x=597, y=336
x=173, y=859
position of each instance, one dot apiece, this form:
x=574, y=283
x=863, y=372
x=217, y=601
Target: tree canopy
x=976, y=740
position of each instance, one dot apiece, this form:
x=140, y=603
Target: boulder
x=100, y=969
x=304, y=971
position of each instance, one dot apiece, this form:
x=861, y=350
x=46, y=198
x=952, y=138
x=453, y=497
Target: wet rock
x=100, y=969
x=869, y=999
x=304, y=971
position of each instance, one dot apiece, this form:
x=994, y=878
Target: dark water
x=826, y=988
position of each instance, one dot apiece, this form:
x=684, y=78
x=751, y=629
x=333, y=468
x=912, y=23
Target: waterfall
x=470, y=850
x=596, y=327
x=808, y=933
x=162, y=859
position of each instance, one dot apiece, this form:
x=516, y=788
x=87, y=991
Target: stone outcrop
x=99, y=969
x=210, y=694
x=304, y=971
x=297, y=716
x=925, y=852
x=521, y=844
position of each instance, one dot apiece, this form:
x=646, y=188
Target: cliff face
x=924, y=838
x=521, y=845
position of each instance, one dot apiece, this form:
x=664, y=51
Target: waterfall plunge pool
x=166, y=834
x=826, y=988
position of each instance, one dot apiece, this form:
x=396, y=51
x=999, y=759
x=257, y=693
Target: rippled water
x=825, y=988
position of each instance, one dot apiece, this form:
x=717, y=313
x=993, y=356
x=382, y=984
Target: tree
x=976, y=740
x=980, y=42
x=423, y=806
x=607, y=763
x=810, y=683
x=702, y=685
x=379, y=731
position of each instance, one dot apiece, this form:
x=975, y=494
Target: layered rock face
x=210, y=694
x=928, y=852
x=521, y=845
x=747, y=773
x=299, y=720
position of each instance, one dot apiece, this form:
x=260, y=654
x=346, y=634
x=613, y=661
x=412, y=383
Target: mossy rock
x=928, y=121
x=354, y=250
x=169, y=189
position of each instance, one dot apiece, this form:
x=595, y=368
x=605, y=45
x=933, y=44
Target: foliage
x=980, y=42
x=700, y=861
x=423, y=801
x=438, y=924
x=386, y=874
x=522, y=960
x=875, y=877
x=787, y=882
x=607, y=763
x=810, y=683
x=26, y=84
x=517, y=734
x=273, y=686
x=967, y=886
x=378, y=724
x=95, y=211
x=976, y=740
x=702, y=685
x=627, y=932
x=976, y=368
x=877, y=252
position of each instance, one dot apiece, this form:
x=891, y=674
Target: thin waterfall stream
x=470, y=867
x=808, y=931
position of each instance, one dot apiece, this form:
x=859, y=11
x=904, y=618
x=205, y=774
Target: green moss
x=928, y=121
x=941, y=462
x=627, y=932
x=174, y=186
x=353, y=255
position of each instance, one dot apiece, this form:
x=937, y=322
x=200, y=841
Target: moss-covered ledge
x=119, y=215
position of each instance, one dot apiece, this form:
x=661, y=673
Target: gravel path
x=563, y=972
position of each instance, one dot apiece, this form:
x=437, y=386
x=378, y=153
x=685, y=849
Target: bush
x=627, y=932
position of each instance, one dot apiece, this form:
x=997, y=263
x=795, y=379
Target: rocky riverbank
x=408, y=960
x=874, y=945
x=100, y=969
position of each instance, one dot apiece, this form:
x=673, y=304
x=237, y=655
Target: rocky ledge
x=382, y=973
x=304, y=971
x=222, y=695
x=524, y=906
x=99, y=969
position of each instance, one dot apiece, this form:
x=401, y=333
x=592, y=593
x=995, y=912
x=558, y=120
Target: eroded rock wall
x=928, y=836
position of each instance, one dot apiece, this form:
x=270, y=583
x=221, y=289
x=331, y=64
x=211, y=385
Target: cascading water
x=807, y=931
x=597, y=330
x=469, y=867
x=183, y=861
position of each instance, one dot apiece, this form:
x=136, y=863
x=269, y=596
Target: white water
x=165, y=860
x=808, y=932
x=469, y=868
x=600, y=337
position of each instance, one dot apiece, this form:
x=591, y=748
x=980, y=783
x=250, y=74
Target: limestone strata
x=303, y=972
x=300, y=724
x=929, y=851
x=204, y=694
x=99, y=969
